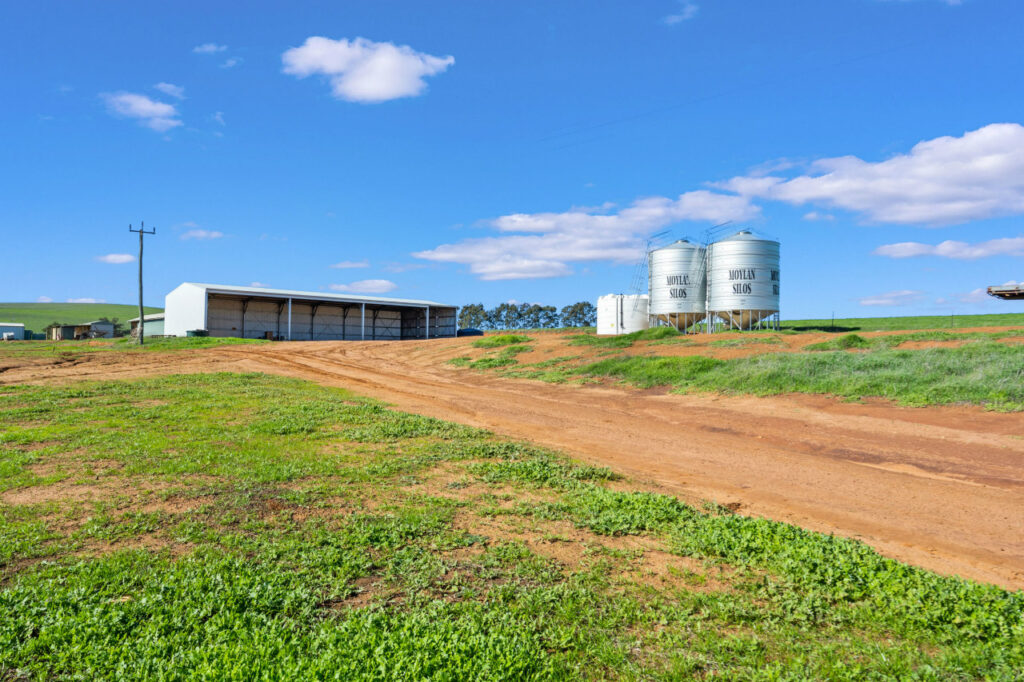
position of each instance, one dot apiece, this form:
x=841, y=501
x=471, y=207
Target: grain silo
x=678, y=284
x=621, y=314
x=743, y=280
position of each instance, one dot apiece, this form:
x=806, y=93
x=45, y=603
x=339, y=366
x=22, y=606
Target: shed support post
x=428, y=323
x=289, y=319
x=362, y=321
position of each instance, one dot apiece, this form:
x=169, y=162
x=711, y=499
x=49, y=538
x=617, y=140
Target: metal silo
x=743, y=280
x=621, y=314
x=678, y=284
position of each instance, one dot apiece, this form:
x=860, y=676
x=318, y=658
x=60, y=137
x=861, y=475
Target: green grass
x=36, y=316
x=853, y=341
x=844, y=342
x=255, y=527
x=654, y=334
x=124, y=344
x=501, y=340
x=979, y=373
x=503, y=358
x=874, y=324
x=187, y=342
x=746, y=341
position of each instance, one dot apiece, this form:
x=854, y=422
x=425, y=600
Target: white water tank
x=678, y=283
x=621, y=314
x=743, y=279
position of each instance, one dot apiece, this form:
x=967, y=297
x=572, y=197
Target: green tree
x=549, y=316
x=582, y=314
x=473, y=315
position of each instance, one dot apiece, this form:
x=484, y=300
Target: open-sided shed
x=260, y=313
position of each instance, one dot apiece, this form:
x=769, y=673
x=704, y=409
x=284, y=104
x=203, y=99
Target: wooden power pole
x=142, y=317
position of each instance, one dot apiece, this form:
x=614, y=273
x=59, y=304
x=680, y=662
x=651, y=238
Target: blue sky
x=496, y=151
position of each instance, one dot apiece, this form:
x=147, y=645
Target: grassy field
x=878, y=324
x=978, y=373
x=231, y=526
x=36, y=316
x=124, y=344
x=978, y=370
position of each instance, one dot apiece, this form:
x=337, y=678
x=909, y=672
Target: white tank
x=743, y=279
x=678, y=284
x=621, y=314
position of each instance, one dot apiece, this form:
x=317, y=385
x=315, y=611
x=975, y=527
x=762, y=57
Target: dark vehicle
x=469, y=332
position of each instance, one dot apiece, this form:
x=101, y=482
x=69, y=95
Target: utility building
x=74, y=332
x=12, y=331
x=257, y=313
x=154, y=325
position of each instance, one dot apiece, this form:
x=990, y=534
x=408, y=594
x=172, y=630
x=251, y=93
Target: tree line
x=527, y=316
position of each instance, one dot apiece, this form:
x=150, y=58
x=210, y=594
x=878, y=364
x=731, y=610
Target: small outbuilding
x=154, y=325
x=260, y=313
x=12, y=331
x=97, y=329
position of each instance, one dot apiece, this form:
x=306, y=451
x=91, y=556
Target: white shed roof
x=313, y=295
x=149, y=318
x=11, y=324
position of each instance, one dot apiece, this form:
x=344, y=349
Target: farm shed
x=258, y=313
x=88, y=330
x=12, y=331
x=154, y=325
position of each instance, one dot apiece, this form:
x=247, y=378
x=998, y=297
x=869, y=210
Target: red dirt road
x=941, y=488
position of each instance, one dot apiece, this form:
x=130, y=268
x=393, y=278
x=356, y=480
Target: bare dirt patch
x=771, y=455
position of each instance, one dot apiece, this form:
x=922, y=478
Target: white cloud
x=176, y=91
x=44, y=299
x=202, y=234
x=361, y=70
x=209, y=48
x=1008, y=246
x=941, y=181
x=259, y=285
x=366, y=286
x=893, y=298
x=815, y=215
x=151, y=113
x=544, y=244
x=687, y=10
x=116, y=258
x=230, y=62
x=87, y=300
x=219, y=117
x=347, y=264
x=979, y=295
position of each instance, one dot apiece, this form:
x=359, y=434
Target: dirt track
x=942, y=488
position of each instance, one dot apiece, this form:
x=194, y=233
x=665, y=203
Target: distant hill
x=36, y=316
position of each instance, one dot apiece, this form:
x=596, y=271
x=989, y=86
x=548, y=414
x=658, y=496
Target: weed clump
x=501, y=340
x=624, y=340
x=647, y=372
x=845, y=342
